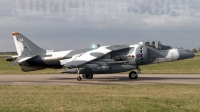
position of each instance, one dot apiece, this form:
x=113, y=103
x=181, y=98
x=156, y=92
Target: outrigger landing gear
x=138, y=70
x=79, y=77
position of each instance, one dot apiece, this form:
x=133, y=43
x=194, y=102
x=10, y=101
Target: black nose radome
x=185, y=54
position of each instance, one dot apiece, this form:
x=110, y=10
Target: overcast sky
x=75, y=24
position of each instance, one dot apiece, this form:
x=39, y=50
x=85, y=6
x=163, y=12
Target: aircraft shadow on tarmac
x=117, y=79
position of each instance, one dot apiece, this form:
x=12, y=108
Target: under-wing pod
x=102, y=69
x=116, y=68
x=75, y=70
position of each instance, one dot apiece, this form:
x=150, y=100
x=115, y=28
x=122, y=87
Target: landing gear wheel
x=133, y=75
x=79, y=78
x=87, y=76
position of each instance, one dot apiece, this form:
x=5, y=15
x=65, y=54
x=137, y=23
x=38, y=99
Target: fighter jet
x=95, y=60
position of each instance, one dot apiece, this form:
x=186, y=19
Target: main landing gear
x=85, y=76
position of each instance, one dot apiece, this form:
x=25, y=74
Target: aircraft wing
x=89, y=56
x=22, y=59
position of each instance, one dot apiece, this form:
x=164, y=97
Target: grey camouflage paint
x=121, y=58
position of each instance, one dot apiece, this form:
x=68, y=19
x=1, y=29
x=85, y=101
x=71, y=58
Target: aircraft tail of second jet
x=24, y=46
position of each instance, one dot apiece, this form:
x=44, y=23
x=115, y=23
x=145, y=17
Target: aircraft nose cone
x=185, y=54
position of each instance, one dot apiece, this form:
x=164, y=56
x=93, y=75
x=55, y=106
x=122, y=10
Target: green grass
x=189, y=66
x=140, y=98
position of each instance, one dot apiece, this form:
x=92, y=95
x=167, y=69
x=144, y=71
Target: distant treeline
x=8, y=53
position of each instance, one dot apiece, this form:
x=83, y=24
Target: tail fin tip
x=15, y=33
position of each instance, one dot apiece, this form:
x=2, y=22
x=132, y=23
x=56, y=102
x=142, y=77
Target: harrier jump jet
x=97, y=60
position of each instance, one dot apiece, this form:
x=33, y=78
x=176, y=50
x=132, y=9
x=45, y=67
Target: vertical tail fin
x=24, y=46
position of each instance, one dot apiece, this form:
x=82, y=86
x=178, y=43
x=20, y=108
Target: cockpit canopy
x=158, y=45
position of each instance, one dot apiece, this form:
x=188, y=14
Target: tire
x=79, y=78
x=88, y=76
x=133, y=75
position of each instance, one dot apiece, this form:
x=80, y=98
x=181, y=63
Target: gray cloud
x=74, y=31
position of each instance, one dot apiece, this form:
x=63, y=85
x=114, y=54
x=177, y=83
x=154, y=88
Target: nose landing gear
x=85, y=76
x=134, y=75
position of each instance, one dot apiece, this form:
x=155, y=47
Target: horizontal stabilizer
x=22, y=59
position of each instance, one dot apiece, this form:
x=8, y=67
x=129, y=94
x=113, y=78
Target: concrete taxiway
x=104, y=79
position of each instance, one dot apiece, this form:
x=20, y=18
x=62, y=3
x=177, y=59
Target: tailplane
x=24, y=46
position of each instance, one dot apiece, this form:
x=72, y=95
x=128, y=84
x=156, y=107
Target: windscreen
x=163, y=46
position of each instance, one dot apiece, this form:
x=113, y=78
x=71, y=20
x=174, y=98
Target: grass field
x=189, y=66
x=111, y=98
x=140, y=98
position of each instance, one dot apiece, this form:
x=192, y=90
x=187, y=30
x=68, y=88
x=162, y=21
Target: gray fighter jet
x=96, y=60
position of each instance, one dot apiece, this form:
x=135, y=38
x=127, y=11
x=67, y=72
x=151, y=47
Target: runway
x=103, y=79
